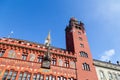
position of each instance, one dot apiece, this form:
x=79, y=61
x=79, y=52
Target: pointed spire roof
x=48, y=40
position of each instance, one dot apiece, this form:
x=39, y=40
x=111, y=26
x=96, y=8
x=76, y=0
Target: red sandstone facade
x=21, y=60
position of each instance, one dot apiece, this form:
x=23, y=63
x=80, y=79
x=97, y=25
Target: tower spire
x=48, y=40
x=47, y=58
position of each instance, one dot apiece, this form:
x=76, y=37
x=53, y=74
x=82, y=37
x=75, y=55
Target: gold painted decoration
x=32, y=57
x=60, y=62
x=72, y=64
x=45, y=70
x=18, y=55
x=11, y=54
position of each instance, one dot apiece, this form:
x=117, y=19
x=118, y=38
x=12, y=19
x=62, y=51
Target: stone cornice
x=106, y=65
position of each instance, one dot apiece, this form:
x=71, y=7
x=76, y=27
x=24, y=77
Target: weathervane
x=47, y=58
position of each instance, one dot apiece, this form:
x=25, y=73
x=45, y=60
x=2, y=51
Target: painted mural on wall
x=18, y=55
x=32, y=57
x=60, y=62
x=11, y=54
x=72, y=64
x=17, y=63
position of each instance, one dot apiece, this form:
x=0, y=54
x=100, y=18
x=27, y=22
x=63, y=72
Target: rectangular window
x=38, y=76
x=80, y=38
x=40, y=58
x=58, y=78
x=34, y=76
x=28, y=76
x=50, y=77
x=66, y=63
x=47, y=77
x=9, y=75
x=86, y=66
x=53, y=62
x=24, y=57
x=5, y=75
x=14, y=75
x=54, y=78
x=42, y=77
x=2, y=52
x=20, y=76
x=25, y=76
x=81, y=45
x=79, y=33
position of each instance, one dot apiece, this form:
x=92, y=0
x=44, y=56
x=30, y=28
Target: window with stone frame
x=24, y=56
x=2, y=51
x=61, y=78
x=102, y=76
x=80, y=38
x=24, y=76
x=70, y=78
x=9, y=75
x=115, y=76
x=53, y=62
x=79, y=33
x=66, y=63
x=20, y=76
x=38, y=76
x=82, y=45
x=40, y=58
x=58, y=78
x=86, y=66
x=118, y=76
x=83, y=54
x=110, y=76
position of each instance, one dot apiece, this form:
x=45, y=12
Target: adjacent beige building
x=107, y=70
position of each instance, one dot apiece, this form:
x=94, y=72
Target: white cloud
x=107, y=55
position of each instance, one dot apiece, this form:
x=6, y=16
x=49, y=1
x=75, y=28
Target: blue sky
x=32, y=19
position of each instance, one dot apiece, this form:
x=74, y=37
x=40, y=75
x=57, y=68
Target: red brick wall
x=73, y=44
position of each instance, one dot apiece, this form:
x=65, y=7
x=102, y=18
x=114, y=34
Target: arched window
x=14, y=75
x=70, y=78
x=35, y=77
x=2, y=51
x=110, y=76
x=86, y=66
x=115, y=76
x=5, y=75
x=61, y=78
x=83, y=54
x=9, y=75
x=38, y=76
x=24, y=76
x=20, y=76
x=58, y=78
x=102, y=76
x=118, y=76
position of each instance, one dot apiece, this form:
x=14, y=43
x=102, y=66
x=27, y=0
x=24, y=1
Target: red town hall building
x=25, y=60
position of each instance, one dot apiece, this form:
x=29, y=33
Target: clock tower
x=76, y=41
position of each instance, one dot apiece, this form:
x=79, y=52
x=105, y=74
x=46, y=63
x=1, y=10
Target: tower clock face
x=46, y=64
